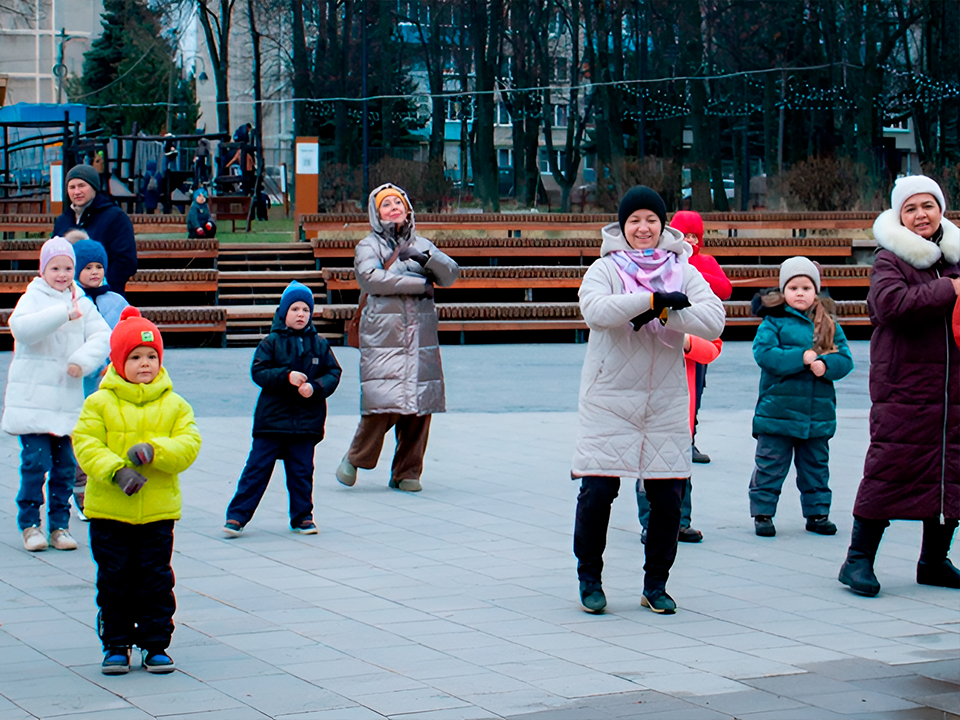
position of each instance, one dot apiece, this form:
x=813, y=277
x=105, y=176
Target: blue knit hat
x=198, y=192
x=295, y=292
x=88, y=251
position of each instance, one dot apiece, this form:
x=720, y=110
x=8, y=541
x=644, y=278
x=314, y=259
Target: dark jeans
x=643, y=505
x=699, y=383
x=134, y=583
x=297, y=455
x=593, y=516
x=812, y=459
x=42, y=454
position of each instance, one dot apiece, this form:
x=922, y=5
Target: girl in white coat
x=638, y=299
x=58, y=338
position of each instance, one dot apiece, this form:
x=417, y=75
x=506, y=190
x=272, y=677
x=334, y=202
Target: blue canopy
x=43, y=112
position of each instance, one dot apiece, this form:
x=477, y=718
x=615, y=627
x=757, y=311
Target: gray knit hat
x=799, y=265
x=86, y=173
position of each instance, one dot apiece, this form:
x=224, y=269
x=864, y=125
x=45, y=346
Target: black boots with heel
x=857, y=571
x=935, y=567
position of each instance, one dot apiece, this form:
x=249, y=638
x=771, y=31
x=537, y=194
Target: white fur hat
x=799, y=265
x=906, y=187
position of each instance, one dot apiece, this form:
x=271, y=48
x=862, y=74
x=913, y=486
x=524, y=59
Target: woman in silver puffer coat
x=401, y=378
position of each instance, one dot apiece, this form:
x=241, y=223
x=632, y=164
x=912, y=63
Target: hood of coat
x=375, y=223
x=913, y=249
x=137, y=393
x=279, y=325
x=671, y=240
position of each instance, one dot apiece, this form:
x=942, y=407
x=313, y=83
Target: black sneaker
x=699, y=457
x=116, y=661
x=689, y=535
x=157, y=662
x=307, y=527
x=820, y=525
x=764, y=526
x=658, y=601
x=592, y=597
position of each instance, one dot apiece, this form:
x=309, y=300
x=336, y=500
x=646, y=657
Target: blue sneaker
x=157, y=662
x=307, y=527
x=116, y=661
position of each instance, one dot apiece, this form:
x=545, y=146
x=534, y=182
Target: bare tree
x=216, y=22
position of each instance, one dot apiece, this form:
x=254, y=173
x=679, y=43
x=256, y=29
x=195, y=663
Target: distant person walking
x=103, y=221
x=401, y=378
x=638, y=299
x=912, y=469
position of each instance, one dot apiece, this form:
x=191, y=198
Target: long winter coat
x=792, y=400
x=634, y=416
x=114, y=419
x=912, y=469
x=106, y=223
x=281, y=409
x=41, y=397
x=400, y=370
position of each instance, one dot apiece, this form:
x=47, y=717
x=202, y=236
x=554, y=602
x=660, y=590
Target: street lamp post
x=60, y=70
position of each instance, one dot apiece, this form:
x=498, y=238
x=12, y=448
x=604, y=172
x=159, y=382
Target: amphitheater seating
x=167, y=319
x=551, y=253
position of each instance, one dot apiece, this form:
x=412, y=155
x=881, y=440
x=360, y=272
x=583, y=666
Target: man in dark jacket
x=297, y=372
x=103, y=221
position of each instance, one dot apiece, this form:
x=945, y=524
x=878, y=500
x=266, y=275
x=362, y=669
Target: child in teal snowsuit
x=801, y=351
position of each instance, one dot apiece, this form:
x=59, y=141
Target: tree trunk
x=301, y=70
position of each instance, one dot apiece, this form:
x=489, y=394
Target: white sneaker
x=33, y=539
x=60, y=539
x=346, y=473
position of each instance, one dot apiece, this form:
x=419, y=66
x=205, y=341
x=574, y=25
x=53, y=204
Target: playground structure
x=40, y=143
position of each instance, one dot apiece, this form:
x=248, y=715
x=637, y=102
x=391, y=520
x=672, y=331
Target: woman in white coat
x=401, y=378
x=638, y=299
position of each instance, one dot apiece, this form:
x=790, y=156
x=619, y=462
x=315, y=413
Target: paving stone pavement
x=461, y=601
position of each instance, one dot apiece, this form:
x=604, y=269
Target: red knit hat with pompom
x=131, y=332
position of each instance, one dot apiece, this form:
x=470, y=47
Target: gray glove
x=141, y=454
x=129, y=480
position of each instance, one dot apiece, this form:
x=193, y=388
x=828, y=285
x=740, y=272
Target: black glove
x=672, y=300
x=141, y=454
x=129, y=480
x=642, y=319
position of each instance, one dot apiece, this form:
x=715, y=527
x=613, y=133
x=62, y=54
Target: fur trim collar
x=912, y=248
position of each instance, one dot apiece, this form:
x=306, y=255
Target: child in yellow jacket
x=134, y=436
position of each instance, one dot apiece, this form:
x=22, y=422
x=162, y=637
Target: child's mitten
x=200, y=232
x=141, y=454
x=129, y=480
x=208, y=226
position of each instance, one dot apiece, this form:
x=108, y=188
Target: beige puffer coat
x=400, y=370
x=634, y=405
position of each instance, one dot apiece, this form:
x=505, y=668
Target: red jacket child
x=691, y=225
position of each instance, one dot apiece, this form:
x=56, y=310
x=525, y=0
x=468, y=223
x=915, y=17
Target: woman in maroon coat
x=912, y=470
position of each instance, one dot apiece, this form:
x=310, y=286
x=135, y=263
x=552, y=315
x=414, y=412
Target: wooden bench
x=587, y=248
x=23, y=205
x=167, y=319
x=777, y=247
x=166, y=281
x=147, y=249
x=523, y=277
x=462, y=317
x=827, y=221
x=232, y=208
x=768, y=275
x=312, y=225
x=142, y=224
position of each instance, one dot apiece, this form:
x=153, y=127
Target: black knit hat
x=87, y=173
x=641, y=198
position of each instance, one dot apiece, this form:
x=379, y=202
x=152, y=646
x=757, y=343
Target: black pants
x=593, y=516
x=134, y=583
x=296, y=451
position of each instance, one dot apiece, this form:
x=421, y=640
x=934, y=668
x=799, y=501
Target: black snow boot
x=935, y=567
x=857, y=571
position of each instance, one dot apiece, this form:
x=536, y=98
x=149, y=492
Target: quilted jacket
x=40, y=396
x=115, y=418
x=792, y=400
x=634, y=416
x=400, y=370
